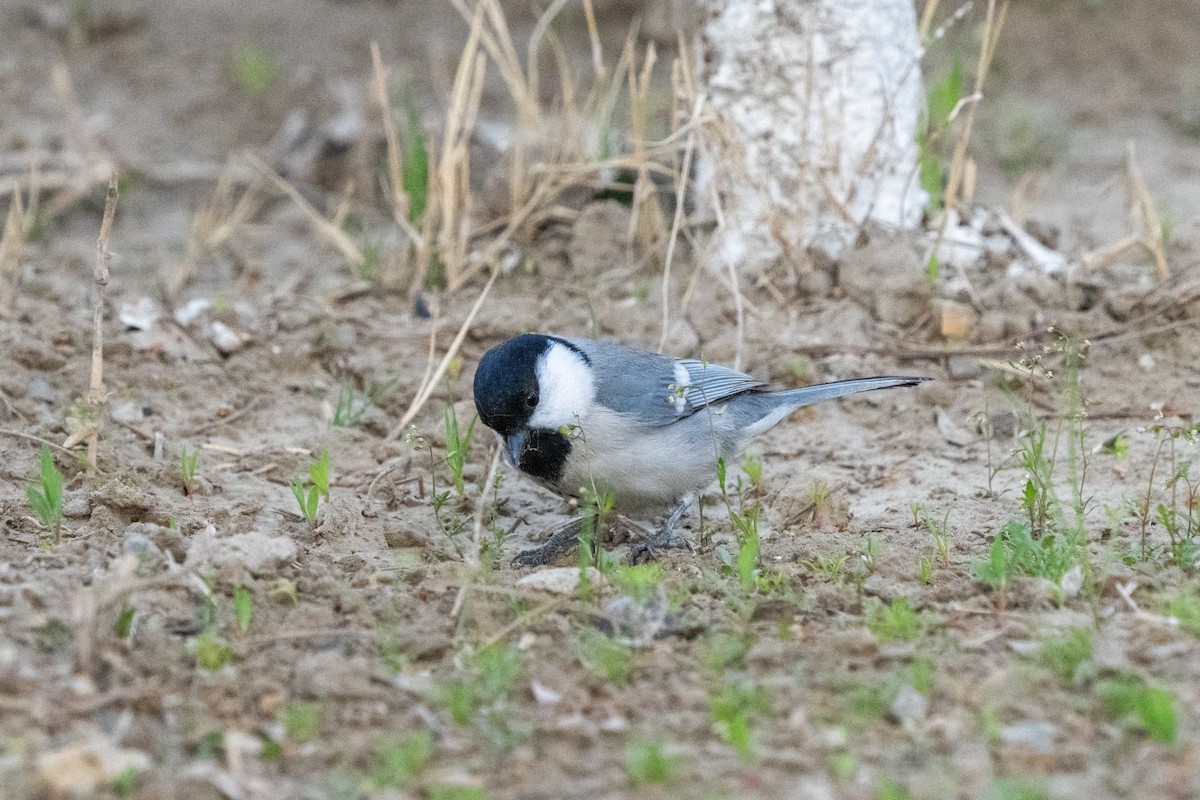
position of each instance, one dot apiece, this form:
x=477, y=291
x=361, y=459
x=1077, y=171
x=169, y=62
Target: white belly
x=647, y=468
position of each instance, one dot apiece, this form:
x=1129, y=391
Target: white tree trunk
x=818, y=103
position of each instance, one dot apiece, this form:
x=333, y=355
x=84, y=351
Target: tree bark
x=817, y=105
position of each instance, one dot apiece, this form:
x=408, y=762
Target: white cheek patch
x=566, y=389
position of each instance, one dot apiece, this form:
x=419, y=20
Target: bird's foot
x=648, y=549
x=561, y=542
x=666, y=537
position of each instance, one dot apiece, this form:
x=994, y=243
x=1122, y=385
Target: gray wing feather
x=712, y=383
x=649, y=386
x=660, y=390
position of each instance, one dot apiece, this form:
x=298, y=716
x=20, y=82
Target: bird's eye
x=532, y=400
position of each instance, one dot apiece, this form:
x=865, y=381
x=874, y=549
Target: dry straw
x=96, y=394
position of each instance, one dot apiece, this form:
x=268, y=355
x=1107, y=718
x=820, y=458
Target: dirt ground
x=205, y=640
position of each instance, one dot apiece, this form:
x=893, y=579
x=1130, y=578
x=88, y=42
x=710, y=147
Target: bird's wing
x=708, y=384
x=657, y=389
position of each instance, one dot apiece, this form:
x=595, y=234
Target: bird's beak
x=514, y=444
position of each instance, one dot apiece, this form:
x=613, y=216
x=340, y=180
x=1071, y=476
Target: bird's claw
x=642, y=553
x=647, y=550
x=560, y=543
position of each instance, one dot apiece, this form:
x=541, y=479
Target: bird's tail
x=807, y=395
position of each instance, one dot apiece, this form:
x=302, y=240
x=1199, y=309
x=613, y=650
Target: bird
x=574, y=414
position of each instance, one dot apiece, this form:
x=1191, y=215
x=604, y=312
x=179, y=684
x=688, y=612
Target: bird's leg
x=666, y=536
x=561, y=542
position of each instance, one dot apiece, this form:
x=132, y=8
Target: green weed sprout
x=897, y=621
x=308, y=496
x=438, y=500
x=415, y=169
x=1182, y=525
x=734, y=709
x=1015, y=552
x=458, y=447
x=648, y=762
x=745, y=522
x=933, y=138
x=400, y=760
x=825, y=566
x=254, y=69
x=480, y=697
x=455, y=792
x=1151, y=708
x=605, y=658
x=45, y=494
x=187, y=470
x=1069, y=656
x=639, y=581
x=596, y=506
x=318, y=473
x=995, y=571
x=243, y=607
x=302, y=721
x=351, y=406
x=211, y=652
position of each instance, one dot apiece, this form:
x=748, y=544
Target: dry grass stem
x=1143, y=214
x=524, y=619
x=450, y=175
x=927, y=15
x=430, y=382
x=324, y=228
x=216, y=223
x=535, y=40
x=589, y=13
x=489, y=484
x=100, y=277
x=399, y=199
x=1143, y=225
x=993, y=26
x=680, y=194
x=12, y=245
x=39, y=440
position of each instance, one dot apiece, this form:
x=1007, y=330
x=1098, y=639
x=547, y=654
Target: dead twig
x=350, y=251
x=477, y=531
x=1143, y=225
x=427, y=386
x=12, y=244
x=216, y=423
x=997, y=12
x=400, y=200
x=39, y=440
x=524, y=619
x=100, y=276
x=680, y=190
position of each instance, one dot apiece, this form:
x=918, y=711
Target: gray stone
x=137, y=544
x=951, y=431
x=339, y=516
x=404, y=537
x=1035, y=734
x=256, y=553
x=40, y=389
x=909, y=707
x=963, y=367
x=77, y=505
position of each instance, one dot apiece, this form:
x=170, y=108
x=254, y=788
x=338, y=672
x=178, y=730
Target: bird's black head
x=506, y=385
